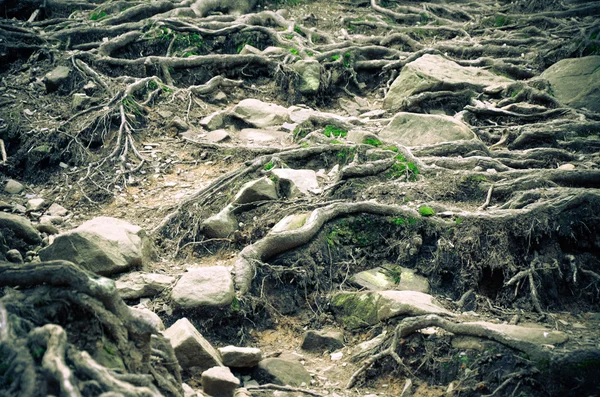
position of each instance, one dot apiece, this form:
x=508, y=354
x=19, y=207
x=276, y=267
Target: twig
x=488, y=199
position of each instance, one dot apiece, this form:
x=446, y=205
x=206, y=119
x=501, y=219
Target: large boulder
x=102, y=245
x=20, y=227
x=204, y=287
x=436, y=73
x=411, y=129
x=191, y=349
x=576, y=82
x=260, y=114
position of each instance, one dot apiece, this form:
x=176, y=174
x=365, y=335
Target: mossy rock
x=356, y=310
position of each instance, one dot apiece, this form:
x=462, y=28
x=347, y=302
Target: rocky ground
x=294, y=197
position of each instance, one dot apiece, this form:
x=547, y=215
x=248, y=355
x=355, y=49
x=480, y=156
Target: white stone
x=300, y=181
x=240, y=357
x=35, y=204
x=191, y=349
x=219, y=382
x=204, y=287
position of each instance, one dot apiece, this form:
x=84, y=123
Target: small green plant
x=310, y=53
x=299, y=133
x=38, y=353
x=426, y=211
x=235, y=304
x=152, y=85
x=458, y=221
x=294, y=51
x=96, y=16
x=347, y=60
x=402, y=167
x=289, y=36
x=335, y=57
x=304, y=145
x=394, y=272
x=274, y=178
x=392, y=148
x=297, y=29
x=331, y=130
x=372, y=141
x=424, y=18
x=165, y=88
x=268, y=166
x=399, y=221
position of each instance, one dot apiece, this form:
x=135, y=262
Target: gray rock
x=260, y=114
x=57, y=210
x=140, y=285
x=5, y=206
x=240, y=357
x=576, y=82
x=191, y=349
x=219, y=382
x=21, y=227
x=213, y=121
x=219, y=96
x=217, y=136
x=35, y=204
x=102, y=245
x=296, y=182
x=179, y=124
x=320, y=341
x=262, y=136
x=220, y=225
x=204, y=287
x=47, y=228
x=90, y=88
x=257, y=190
x=309, y=73
x=411, y=129
x=379, y=279
x=51, y=220
x=13, y=187
x=79, y=101
x=436, y=73
x=282, y=372
x=148, y=316
x=58, y=76
x=14, y=256
x=248, y=49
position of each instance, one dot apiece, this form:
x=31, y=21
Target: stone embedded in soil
x=79, y=101
x=257, y=190
x=379, y=279
x=35, y=204
x=296, y=182
x=148, y=316
x=21, y=227
x=139, y=285
x=324, y=340
x=57, y=210
x=359, y=309
x=14, y=256
x=576, y=82
x=102, y=245
x=191, y=349
x=263, y=136
x=219, y=382
x=260, y=114
x=240, y=357
x=213, y=121
x=204, y=287
x=436, y=73
x=411, y=129
x=55, y=78
x=47, y=228
x=282, y=372
x=220, y=225
x=217, y=136
x=13, y=187
x=309, y=73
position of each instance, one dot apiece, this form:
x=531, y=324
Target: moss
x=268, y=166
x=356, y=310
x=372, y=141
x=331, y=130
x=426, y=211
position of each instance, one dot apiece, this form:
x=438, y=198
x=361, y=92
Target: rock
x=282, y=372
x=217, y=136
x=51, y=220
x=188, y=391
x=213, y=121
x=379, y=279
x=377, y=113
x=14, y=256
x=320, y=341
x=47, y=228
x=204, y=287
x=290, y=222
x=260, y=114
x=359, y=309
x=261, y=136
x=349, y=106
x=13, y=187
x=140, y=285
x=4, y=206
x=54, y=79
x=191, y=349
x=240, y=357
x=296, y=182
x=20, y=227
x=257, y=190
x=219, y=96
x=220, y=225
x=90, y=88
x=411, y=129
x=19, y=208
x=57, y=210
x=79, y=101
x=148, y=316
x=576, y=82
x=436, y=73
x=309, y=73
x=219, y=382
x=179, y=124
x=248, y=49
x=165, y=114
x=35, y=204
x=274, y=51
x=102, y=245
x=566, y=167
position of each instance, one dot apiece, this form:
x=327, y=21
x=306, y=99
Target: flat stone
x=436, y=73
x=219, y=382
x=262, y=136
x=260, y=114
x=379, y=279
x=35, y=204
x=140, y=285
x=57, y=210
x=213, y=121
x=282, y=372
x=325, y=340
x=411, y=129
x=576, y=82
x=148, y=316
x=102, y=245
x=21, y=227
x=191, y=349
x=54, y=79
x=204, y=287
x=240, y=357
x=296, y=182
x=248, y=49
x=220, y=225
x=217, y=136
x=366, y=308
x=257, y=190
x=13, y=187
